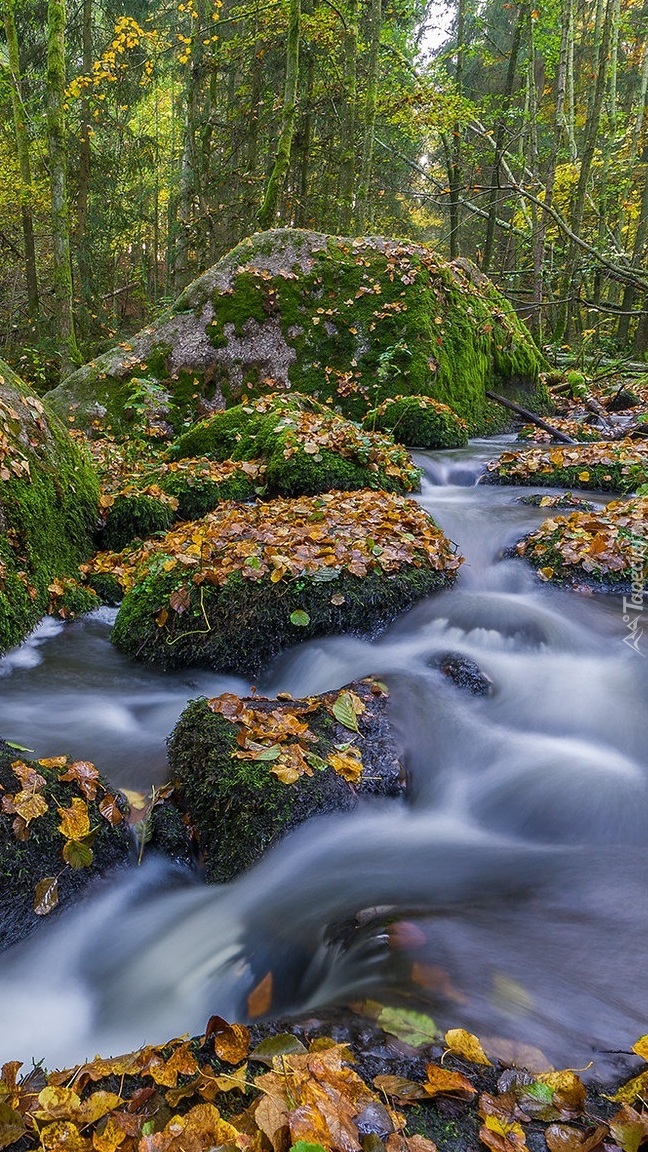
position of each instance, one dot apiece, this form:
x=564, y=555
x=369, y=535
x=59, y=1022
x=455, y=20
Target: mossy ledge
x=305, y=447
x=239, y=807
x=611, y=466
x=352, y=321
x=48, y=507
x=230, y=591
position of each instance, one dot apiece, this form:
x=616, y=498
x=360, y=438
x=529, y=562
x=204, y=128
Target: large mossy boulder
x=60, y=827
x=249, y=770
x=48, y=508
x=231, y=590
x=305, y=447
x=352, y=320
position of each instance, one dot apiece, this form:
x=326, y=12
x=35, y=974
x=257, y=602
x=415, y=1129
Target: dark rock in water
x=623, y=399
x=60, y=828
x=249, y=770
x=465, y=673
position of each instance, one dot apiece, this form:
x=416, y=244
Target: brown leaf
x=400, y=1088
x=565, y=1138
x=46, y=896
x=445, y=1080
x=12, y=1125
x=85, y=775
x=110, y=810
x=231, y=1041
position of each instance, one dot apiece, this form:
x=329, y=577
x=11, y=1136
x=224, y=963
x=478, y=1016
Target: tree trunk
x=62, y=292
x=22, y=149
x=364, y=208
x=347, y=140
x=268, y=211
x=500, y=138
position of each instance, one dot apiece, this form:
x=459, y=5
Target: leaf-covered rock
x=248, y=770
x=48, y=509
x=220, y=592
x=419, y=421
x=355, y=320
x=306, y=448
x=617, y=466
x=60, y=827
x=606, y=549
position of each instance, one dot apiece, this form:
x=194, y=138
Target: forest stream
x=506, y=893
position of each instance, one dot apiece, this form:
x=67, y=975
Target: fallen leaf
x=259, y=1000
x=463, y=1043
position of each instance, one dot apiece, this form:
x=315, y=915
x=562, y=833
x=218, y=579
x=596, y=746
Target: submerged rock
x=352, y=320
x=48, y=511
x=464, y=673
x=248, y=770
x=230, y=591
x=60, y=828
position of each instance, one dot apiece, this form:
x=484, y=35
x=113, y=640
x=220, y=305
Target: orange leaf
x=259, y=1000
x=444, y=1080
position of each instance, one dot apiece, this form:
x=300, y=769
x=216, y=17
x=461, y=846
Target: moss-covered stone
x=579, y=430
x=349, y=320
x=305, y=447
x=48, y=507
x=33, y=849
x=419, y=422
x=606, y=550
x=240, y=806
x=230, y=591
x=614, y=466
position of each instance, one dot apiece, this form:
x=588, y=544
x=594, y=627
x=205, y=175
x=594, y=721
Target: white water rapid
x=518, y=860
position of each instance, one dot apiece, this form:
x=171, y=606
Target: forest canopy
x=139, y=142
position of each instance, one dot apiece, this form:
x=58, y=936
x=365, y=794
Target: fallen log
x=531, y=417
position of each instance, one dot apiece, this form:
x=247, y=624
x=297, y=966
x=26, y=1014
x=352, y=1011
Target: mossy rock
x=230, y=591
x=354, y=321
x=614, y=466
x=34, y=850
x=419, y=422
x=305, y=447
x=159, y=494
x=578, y=430
x=241, y=807
x=48, y=507
x=606, y=550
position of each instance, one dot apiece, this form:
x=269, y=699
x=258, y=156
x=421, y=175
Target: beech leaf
x=46, y=896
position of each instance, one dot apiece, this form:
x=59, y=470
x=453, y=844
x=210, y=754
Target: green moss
x=47, y=514
x=135, y=516
x=307, y=449
x=240, y=626
x=418, y=421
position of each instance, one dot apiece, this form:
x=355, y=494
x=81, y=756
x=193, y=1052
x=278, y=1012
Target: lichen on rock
x=48, y=509
x=349, y=320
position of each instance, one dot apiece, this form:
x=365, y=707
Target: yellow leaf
x=641, y=1047
x=463, y=1043
x=29, y=805
x=75, y=820
x=545, y=573
x=57, y=1102
x=445, y=1080
x=348, y=766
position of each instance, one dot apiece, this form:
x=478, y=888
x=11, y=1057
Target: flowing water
x=508, y=893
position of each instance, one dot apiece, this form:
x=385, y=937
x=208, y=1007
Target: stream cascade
x=507, y=893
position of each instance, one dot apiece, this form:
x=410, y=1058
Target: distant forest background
x=140, y=141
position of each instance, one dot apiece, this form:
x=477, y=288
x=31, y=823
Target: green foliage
x=419, y=421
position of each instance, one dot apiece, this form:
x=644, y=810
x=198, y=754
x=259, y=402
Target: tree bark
x=347, y=135
x=22, y=149
x=268, y=211
x=364, y=212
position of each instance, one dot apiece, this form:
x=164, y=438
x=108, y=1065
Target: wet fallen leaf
x=46, y=896
x=75, y=820
x=231, y=1041
x=414, y=1028
x=259, y=1000
x=442, y=1080
x=462, y=1043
